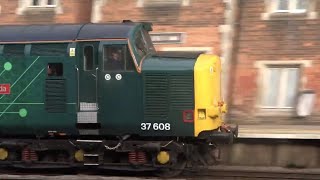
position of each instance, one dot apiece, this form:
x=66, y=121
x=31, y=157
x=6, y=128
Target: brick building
x=44, y=11
x=180, y=25
x=276, y=55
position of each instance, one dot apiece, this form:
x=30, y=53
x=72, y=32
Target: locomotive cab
x=110, y=92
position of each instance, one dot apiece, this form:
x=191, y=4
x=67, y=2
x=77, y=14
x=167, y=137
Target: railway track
x=216, y=173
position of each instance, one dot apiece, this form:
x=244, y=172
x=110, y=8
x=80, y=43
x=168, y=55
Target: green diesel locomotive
x=77, y=95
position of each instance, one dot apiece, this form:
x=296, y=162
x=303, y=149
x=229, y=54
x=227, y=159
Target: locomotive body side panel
x=168, y=92
x=119, y=90
x=37, y=102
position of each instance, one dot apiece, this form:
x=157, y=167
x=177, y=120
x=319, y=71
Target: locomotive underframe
x=134, y=155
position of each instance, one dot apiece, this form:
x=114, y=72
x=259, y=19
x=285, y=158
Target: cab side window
x=140, y=44
x=88, y=58
x=55, y=69
x=117, y=58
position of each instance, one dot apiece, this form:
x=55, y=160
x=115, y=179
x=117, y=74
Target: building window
x=42, y=3
x=155, y=3
x=167, y=38
x=280, y=86
x=290, y=9
x=26, y=6
x=291, y=6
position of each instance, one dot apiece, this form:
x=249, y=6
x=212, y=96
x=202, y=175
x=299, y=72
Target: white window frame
x=206, y=50
x=280, y=104
x=261, y=83
x=96, y=13
x=292, y=7
x=26, y=5
x=272, y=13
x=141, y=3
x=181, y=36
x=42, y=3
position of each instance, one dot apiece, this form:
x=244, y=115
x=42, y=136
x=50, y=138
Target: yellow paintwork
x=3, y=154
x=79, y=155
x=163, y=157
x=207, y=91
x=224, y=108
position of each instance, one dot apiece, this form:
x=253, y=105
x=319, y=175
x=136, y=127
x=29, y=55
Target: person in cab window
x=115, y=61
x=52, y=70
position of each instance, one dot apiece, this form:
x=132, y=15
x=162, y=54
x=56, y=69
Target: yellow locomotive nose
x=208, y=101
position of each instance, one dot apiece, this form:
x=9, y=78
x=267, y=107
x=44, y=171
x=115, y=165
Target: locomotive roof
x=63, y=32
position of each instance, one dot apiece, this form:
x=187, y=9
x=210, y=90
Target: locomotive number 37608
x=155, y=126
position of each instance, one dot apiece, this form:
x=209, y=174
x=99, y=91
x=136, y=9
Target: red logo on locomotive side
x=4, y=88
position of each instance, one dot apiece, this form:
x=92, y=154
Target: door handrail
x=97, y=88
x=78, y=100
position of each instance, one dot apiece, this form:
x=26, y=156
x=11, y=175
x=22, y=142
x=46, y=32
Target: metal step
x=91, y=155
x=89, y=131
x=87, y=117
x=85, y=106
x=89, y=141
x=91, y=164
x=92, y=159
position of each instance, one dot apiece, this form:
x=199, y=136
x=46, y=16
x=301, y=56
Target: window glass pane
x=272, y=87
x=148, y=40
x=55, y=69
x=301, y=4
x=88, y=57
x=292, y=86
x=51, y=2
x=35, y=3
x=129, y=63
x=113, y=57
x=140, y=44
x=283, y=5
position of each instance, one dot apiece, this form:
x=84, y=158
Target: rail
x=214, y=172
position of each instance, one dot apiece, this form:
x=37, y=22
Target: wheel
x=172, y=171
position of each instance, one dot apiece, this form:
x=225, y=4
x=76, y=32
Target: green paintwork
x=164, y=64
x=176, y=84
x=87, y=79
x=120, y=101
x=7, y=66
x=23, y=111
x=123, y=104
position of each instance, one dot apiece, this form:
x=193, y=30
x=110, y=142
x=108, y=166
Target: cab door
x=87, y=84
x=119, y=89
